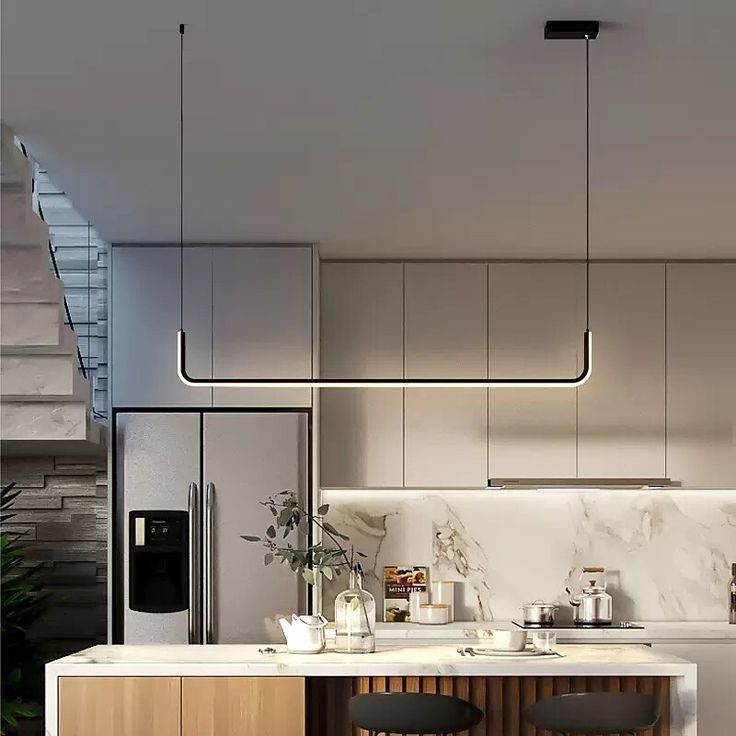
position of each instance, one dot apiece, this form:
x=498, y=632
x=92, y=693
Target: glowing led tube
x=574, y=382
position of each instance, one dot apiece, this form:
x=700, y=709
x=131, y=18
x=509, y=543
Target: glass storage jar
x=355, y=618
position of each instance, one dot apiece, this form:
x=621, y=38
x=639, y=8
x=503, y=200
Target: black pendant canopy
x=572, y=29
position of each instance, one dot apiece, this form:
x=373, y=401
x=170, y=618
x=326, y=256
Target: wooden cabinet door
x=362, y=336
x=243, y=706
x=445, y=328
x=701, y=374
x=536, y=318
x=119, y=706
x=621, y=409
x=145, y=319
x=262, y=322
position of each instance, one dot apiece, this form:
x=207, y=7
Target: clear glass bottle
x=355, y=618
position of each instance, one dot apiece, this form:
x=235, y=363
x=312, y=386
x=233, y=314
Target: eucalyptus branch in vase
x=285, y=541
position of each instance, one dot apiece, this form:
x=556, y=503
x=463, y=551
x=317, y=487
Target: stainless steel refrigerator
x=187, y=485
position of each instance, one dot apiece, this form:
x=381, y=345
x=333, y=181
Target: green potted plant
x=22, y=602
x=285, y=540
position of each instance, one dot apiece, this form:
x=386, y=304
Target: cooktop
x=571, y=625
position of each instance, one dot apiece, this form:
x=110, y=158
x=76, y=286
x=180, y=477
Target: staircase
x=44, y=399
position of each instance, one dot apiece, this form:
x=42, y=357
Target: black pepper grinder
x=732, y=595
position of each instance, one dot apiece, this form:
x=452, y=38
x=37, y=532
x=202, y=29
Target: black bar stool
x=413, y=713
x=594, y=713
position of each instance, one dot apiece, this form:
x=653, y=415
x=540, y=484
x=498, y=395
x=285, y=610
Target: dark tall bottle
x=732, y=595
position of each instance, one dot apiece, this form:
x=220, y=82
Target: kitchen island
x=226, y=690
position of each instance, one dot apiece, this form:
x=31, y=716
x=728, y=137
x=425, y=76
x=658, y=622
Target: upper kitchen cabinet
x=262, y=322
x=446, y=430
x=701, y=374
x=247, y=314
x=621, y=408
x=361, y=332
x=536, y=319
x=145, y=319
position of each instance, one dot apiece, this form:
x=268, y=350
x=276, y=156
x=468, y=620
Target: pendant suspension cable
x=587, y=182
x=181, y=176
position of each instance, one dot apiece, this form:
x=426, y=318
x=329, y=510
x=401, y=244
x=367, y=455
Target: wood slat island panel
x=503, y=699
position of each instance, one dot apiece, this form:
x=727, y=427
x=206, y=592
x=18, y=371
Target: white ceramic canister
x=443, y=591
x=434, y=613
x=417, y=598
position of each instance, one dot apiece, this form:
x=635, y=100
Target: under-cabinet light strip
x=373, y=494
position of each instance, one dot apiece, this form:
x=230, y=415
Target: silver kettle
x=593, y=605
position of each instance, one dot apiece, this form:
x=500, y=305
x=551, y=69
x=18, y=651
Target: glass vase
x=355, y=618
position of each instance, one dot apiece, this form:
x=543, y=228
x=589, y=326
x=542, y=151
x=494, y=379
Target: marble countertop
x=243, y=660
x=652, y=631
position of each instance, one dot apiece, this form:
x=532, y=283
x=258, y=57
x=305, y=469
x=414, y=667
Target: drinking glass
x=544, y=641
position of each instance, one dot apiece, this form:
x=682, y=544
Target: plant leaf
x=267, y=559
x=323, y=509
x=250, y=538
x=284, y=516
x=331, y=529
x=271, y=532
x=308, y=575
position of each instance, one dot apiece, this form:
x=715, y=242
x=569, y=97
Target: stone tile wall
x=62, y=511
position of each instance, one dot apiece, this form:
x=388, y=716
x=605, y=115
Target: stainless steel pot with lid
x=539, y=613
x=593, y=605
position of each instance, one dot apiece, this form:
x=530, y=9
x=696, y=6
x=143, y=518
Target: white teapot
x=304, y=634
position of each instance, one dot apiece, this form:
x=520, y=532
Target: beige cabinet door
x=145, y=314
x=716, y=662
x=701, y=374
x=241, y=706
x=119, y=706
x=446, y=337
x=536, y=319
x=361, y=332
x=621, y=409
x=262, y=322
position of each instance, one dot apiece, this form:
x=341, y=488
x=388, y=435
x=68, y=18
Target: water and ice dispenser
x=159, y=561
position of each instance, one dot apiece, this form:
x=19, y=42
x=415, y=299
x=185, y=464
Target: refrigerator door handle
x=194, y=592
x=209, y=554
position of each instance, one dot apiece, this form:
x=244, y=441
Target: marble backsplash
x=668, y=553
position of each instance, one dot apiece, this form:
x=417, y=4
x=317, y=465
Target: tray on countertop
x=505, y=654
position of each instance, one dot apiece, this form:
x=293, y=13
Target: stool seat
x=594, y=713
x=413, y=713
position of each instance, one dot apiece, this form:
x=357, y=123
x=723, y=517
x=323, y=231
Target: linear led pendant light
x=579, y=30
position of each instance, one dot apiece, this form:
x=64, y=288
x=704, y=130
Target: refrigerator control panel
x=158, y=531
x=159, y=561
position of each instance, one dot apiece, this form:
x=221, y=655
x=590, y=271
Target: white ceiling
x=385, y=128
